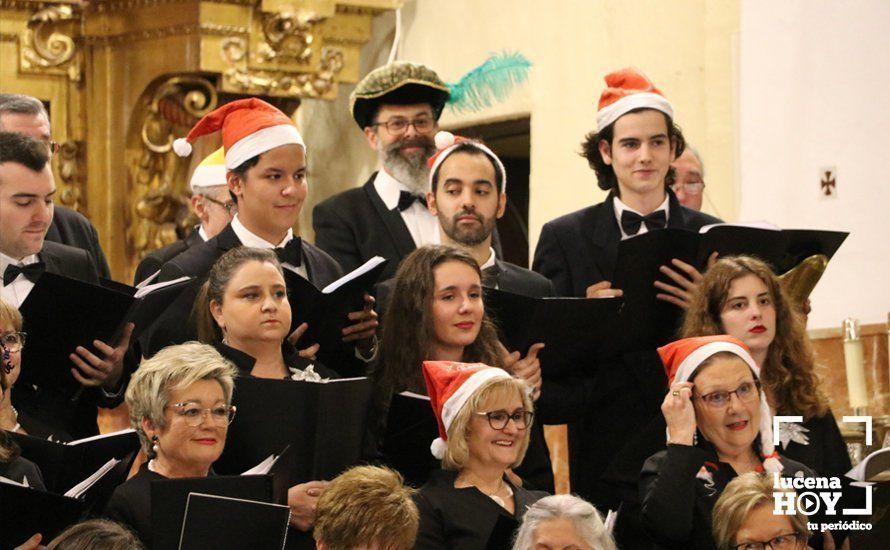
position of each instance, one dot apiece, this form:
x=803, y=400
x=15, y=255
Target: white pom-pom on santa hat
x=444, y=140
x=438, y=447
x=182, y=147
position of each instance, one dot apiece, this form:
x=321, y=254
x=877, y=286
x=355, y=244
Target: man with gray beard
x=397, y=106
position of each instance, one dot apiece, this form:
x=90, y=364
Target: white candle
x=855, y=365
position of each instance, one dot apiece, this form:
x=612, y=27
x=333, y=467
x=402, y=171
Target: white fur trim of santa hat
x=261, y=141
x=643, y=100
x=446, y=143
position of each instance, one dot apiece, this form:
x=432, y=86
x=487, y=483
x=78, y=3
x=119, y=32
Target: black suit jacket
x=616, y=396
x=355, y=225
x=72, y=228
x=156, y=259
x=518, y=280
x=581, y=248
x=52, y=409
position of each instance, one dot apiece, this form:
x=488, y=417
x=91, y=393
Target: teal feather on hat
x=492, y=80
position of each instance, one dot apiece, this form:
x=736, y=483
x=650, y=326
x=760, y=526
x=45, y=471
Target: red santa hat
x=683, y=357
x=446, y=143
x=628, y=89
x=450, y=385
x=249, y=128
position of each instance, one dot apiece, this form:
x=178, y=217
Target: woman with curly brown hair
x=741, y=296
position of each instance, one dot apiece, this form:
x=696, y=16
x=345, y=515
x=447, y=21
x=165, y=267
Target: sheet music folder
x=410, y=429
x=61, y=313
x=248, y=525
x=326, y=310
x=323, y=422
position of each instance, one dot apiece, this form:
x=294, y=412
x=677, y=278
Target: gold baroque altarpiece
x=124, y=78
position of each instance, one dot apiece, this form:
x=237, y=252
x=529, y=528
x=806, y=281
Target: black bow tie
x=630, y=221
x=406, y=199
x=32, y=272
x=291, y=253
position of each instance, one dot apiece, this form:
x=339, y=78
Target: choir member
x=94, y=534
x=563, y=522
x=180, y=403
x=436, y=313
x=719, y=426
x=484, y=416
x=12, y=465
x=741, y=296
x=243, y=310
x=744, y=517
x=366, y=507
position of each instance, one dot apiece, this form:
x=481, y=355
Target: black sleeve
x=431, y=533
x=668, y=493
x=335, y=235
x=551, y=261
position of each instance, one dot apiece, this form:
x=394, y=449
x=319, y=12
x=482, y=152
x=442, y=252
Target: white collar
x=490, y=261
x=202, y=233
x=389, y=188
x=250, y=239
x=620, y=207
x=8, y=260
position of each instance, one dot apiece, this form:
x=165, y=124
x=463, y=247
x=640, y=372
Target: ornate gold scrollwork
x=46, y=48
x=69, y=169
x=159, y=207
x=288, y=36
x=275, y=83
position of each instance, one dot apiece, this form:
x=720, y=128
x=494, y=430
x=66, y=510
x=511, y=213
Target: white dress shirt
x=15, y=292
x=621, y=207
x=252, y=240
x=423, y=225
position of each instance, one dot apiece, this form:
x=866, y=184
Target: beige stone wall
x=687, y=47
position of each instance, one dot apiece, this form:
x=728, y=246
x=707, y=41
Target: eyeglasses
x=53, y=146
x=12, y=341
x=498, y=419
x=747, y=391
x=789, y=541
x=397, y=126
x=230, y=206
x=689, y=188
x=221, y=415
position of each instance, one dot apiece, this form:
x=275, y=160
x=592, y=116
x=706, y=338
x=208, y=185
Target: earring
x=695, y=438
x=153, y=453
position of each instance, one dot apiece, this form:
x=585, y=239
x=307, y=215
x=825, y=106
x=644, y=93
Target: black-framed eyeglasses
x=747, y=391
x=397, y=126
x=689, y=188
x=498, y=419
x=230, y=206
x=787, y=541
x=221, y=415
x=13, y=341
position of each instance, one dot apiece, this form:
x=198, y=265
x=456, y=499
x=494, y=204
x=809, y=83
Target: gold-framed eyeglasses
x=498, y=419
x=221, y=415
x=13, y=341
x=53, y=146
x=788, y=541
x=695, y=188
x=747, y=391
x=396, y=126
x=230, y=206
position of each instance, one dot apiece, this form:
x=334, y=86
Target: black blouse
x=463, y=518
x=130, y=503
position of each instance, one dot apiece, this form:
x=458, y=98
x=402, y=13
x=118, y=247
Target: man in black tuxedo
x=631, y=154
x=27, y=115
x=397, y=106
x=269, y=187
x=26, y=191
x=210, y=202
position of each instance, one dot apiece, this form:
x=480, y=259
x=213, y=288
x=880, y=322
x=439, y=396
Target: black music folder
x=64, y=464
x=325, y=310
x=25, y=511
x=648, y=322
x=322, y=422
x=247, y=524
x=61, y=313
x=570, y=328
x=410, y=429
x=169, y=498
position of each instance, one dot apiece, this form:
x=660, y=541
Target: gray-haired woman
x=563, y=521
